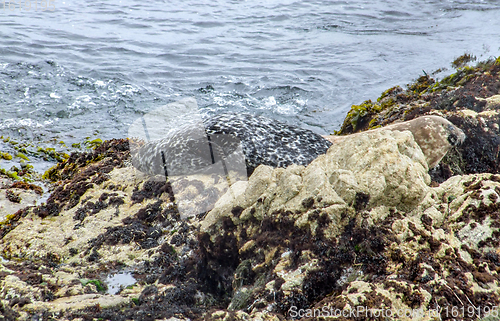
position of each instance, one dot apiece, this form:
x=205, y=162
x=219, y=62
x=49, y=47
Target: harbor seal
x=270, y=142
x=434, y=134
x=263, y=141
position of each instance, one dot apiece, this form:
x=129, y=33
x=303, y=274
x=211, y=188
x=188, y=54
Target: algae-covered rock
x=15, y=196
x=361, y=233
x=358, y=227
x=468, y=98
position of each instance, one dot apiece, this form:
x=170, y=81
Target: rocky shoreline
x=366, y=227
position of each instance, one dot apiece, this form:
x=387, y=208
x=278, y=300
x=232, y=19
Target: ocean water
x=90, y=68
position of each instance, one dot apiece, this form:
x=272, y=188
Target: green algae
x=25, y=166
x=387, y=100
x=420, y=86
x=10, y=174
x=54, y=173
x=462, y=76
x=464, y=73
x=23, y=156
x=27, y=150
x=372, y=122
x=51, y=153
x=92, y=144
x=7, y=219
x=6, y=156
x=26, y=173
x=463, y=60
x=50, y=174
x=388, y=103
x=107, y=151
x=98, y=284
x=359, y=111
x=365, y=110
x=388, y=92
x=416, y=96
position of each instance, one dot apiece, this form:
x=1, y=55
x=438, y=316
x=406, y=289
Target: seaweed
x=79, y=172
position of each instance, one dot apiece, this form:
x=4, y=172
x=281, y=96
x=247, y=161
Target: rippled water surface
x=93, y=67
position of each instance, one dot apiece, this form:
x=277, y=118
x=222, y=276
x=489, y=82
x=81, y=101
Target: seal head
x=434, y=134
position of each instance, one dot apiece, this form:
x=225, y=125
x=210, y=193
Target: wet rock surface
x=366, y=225
x=15, y=196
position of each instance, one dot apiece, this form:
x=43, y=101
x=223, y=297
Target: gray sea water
x=90, y=68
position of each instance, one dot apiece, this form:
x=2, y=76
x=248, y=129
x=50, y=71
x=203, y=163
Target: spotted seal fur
x=263, y=141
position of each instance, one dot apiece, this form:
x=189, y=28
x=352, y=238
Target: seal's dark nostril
x=453, y=139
